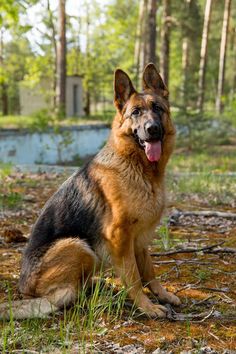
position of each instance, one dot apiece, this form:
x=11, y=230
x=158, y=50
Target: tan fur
x=63, y=269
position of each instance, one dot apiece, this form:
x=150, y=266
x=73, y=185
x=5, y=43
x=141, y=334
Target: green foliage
x=196, y=130
x=9, y=198
x=163, y=232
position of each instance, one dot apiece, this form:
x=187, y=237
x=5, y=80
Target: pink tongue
x=153, y=150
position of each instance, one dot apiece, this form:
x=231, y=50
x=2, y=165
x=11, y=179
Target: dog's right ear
x=123, y=89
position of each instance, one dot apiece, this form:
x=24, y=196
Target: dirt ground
x=201, y=269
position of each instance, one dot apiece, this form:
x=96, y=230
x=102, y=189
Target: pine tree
x=203, y=56
x=61, y=59
x=222, y=60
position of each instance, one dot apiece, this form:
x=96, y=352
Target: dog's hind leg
x=65, y=266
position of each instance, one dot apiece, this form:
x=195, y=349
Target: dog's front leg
x=121, y=247
x=146, y=269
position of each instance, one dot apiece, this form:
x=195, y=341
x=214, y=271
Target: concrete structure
x=24, y=147
x=33, y=99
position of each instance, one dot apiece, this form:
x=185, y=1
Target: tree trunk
x=54, y=45
x=165, y=42
x=185, y=59
x=203, y=56
x=222, y=60
x=152, y=33
x=234, y=66
x=4, y=99
x=87, y=107
x=61, y=60
x=137, y=50
x=185, y=68
x=144, y=39
x=4, y=93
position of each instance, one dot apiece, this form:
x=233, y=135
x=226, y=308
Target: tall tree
x=222, y=60
x=165, y=41
x=52, y=35
x=138, y=40
x=145, y=48
x=144, y=39
x=185, y=53
x=152, y=31
x=203, y=55
x=61, y=59
x=4, y=86
x=87, y=60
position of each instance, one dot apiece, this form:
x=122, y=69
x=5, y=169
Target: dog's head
x=143, y=118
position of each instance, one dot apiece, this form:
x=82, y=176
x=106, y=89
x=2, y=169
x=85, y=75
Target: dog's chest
x=144, y=198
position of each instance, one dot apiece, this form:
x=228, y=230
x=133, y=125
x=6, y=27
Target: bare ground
x=204, y=280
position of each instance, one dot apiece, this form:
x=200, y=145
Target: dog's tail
x=29, y=308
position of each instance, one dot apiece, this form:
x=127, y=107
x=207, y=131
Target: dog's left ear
x=152, y=80
x=123, y=88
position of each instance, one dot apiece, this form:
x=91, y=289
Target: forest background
x=192, y=42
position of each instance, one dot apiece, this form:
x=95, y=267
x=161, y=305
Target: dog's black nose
x=153, y=128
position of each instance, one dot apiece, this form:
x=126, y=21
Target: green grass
x=204, y=175
x=35, y=121
x=9, y=198
x=215, y=159
x=93, y=313
x=208, y=188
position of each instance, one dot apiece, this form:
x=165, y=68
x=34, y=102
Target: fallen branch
x=179, y=262
x=196, y=287
x=200, y=317
x=191, y=250
x=206, y=213
x=218, y=290
x=223, y=250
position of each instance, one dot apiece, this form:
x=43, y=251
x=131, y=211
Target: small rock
x=29, y=198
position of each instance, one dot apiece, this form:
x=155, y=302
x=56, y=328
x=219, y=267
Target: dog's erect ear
x=152, y=80
x=123, y=88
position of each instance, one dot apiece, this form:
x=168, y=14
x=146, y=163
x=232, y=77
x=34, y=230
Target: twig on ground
x=180, y=262
x=206, y=213
x=217, y=338
x=218, y=290
x=204, y=249
x=172, y=315
x=203, y=301
x=223, y=250
x=196, y=286
x=188, y=286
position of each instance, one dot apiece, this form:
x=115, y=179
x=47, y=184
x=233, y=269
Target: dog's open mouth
x=152, y=149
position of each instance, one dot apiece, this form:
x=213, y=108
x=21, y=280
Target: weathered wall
x=25, y=147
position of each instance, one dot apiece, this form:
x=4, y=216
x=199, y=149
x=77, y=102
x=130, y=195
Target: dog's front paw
x=152, y=310
x=169, y=298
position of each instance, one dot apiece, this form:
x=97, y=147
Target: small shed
x=40, y=96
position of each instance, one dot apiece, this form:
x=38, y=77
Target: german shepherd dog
x=112, y=205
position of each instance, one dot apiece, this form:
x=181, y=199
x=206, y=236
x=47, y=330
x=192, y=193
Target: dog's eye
x=136, y=112
x=156, y=108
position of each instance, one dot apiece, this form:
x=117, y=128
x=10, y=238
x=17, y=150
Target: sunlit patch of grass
x=9, y=198
x=219, y=159
x=5, y=170
x=95, y=310
x=216, y=189
x=28, y=122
